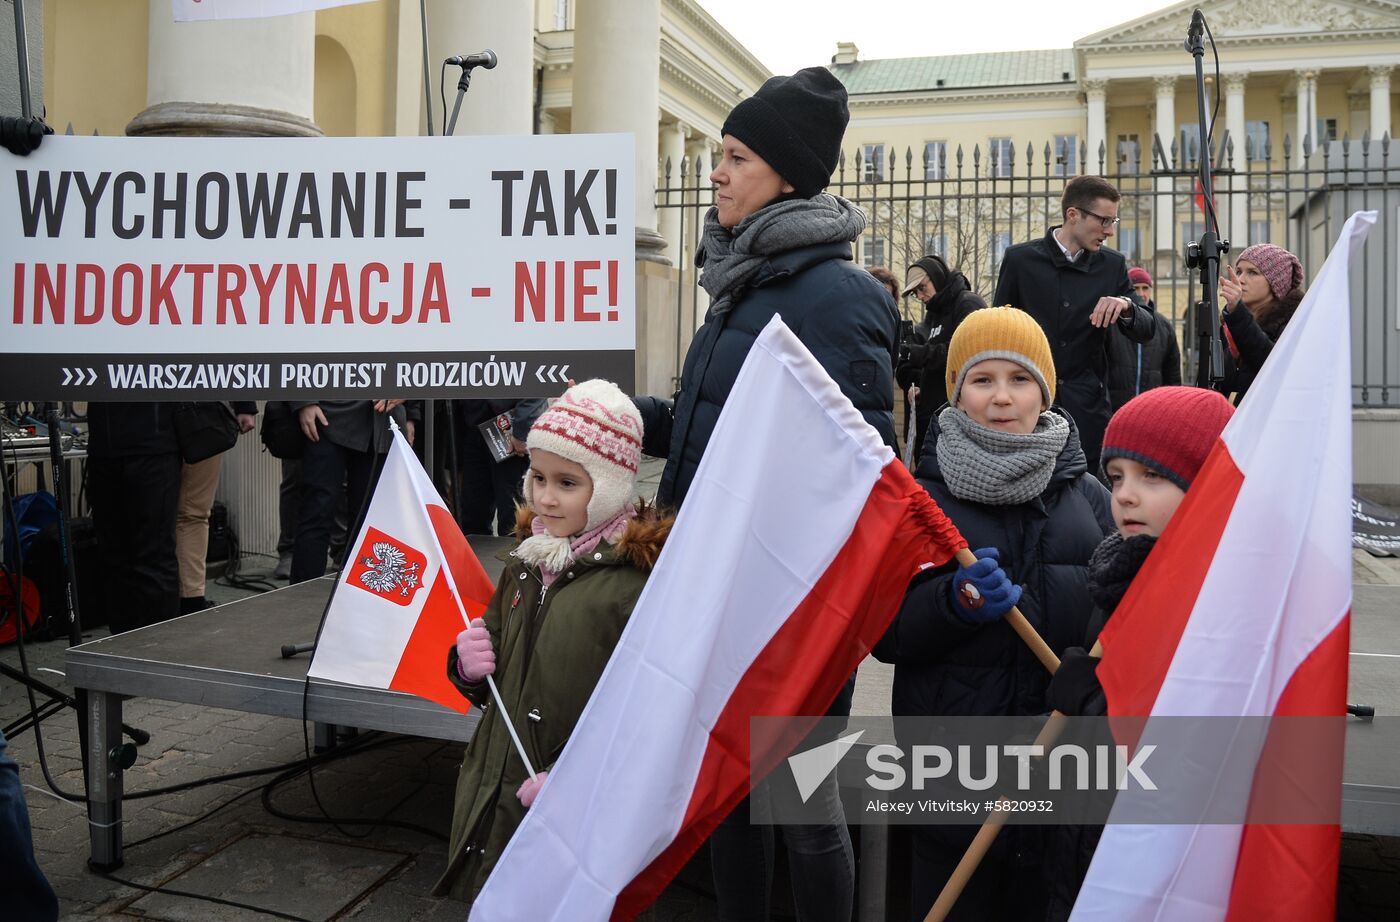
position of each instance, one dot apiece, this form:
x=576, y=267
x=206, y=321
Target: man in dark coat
x=1076, y=289
x=947, y=299
x=1137, y=367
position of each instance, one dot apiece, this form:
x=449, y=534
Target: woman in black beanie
x=775, y=243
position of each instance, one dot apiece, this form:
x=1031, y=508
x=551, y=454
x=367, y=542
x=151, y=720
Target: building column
x=500, y=100
x=617, y=87
x=1239, y=160
x=669, y=171
x=1380, y=101
x=1307, y=115
x=1165, y=207
x=232, y=77
x=1096, y=95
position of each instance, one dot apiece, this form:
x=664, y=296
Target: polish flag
x=196, y=10
x=1243, y=609
x=789, y=559
x=405, y=594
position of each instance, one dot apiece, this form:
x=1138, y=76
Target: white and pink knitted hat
x=597, y=426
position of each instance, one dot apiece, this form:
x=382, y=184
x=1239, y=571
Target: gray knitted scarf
x=731, y=257
x=984, y=465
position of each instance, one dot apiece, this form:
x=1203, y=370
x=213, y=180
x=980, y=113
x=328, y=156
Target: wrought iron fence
x=971, y=206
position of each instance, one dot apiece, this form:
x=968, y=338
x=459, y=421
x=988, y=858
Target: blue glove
x=981, y=592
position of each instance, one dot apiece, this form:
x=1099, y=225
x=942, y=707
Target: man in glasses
x=1077, y=288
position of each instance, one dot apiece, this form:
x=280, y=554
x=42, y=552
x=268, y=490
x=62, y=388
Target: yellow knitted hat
x=1000, y=333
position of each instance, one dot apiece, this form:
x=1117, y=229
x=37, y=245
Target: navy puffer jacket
x=837, y=309
x=945, y=666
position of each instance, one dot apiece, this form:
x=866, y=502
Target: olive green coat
x=551, y=646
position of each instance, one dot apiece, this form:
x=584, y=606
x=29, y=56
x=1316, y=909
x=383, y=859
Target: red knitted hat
x=1169, y=429
x=1139, y=276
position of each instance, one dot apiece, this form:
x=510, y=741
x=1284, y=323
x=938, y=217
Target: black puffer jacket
x=837, y=309
x=948, y=667
x=1255, y=340
x=927, y=363
x=1137, y=367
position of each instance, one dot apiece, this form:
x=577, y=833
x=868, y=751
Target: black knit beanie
x=795, y=124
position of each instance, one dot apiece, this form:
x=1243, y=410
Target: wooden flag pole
x=982, y=842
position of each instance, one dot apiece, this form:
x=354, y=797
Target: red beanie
x=1139, y=276
x=1169, y=429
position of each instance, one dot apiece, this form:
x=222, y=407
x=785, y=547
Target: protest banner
x=245, y=268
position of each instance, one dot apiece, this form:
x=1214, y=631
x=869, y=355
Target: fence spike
x=1030, y=153
x=1385, y=143
x=960, y=158
x=976, y=155
x=1047, y=154
x=69, y=131
x=909, y=159
x=1308, y=146
x=668, y=170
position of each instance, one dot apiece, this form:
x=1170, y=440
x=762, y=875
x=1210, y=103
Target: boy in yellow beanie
x=1006, y=465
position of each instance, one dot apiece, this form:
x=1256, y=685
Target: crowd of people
x=1050, y=427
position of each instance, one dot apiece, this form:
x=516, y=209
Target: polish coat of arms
x=389, y=568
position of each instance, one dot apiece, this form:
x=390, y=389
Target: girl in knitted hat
x=1007, y=467
x=1259, y=295
x=559, y=608
x=1153, y=449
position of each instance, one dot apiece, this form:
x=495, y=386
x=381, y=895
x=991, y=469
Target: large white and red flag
x=396, y=611
x=196, y=10
x=791, y=555
x=1243, y=611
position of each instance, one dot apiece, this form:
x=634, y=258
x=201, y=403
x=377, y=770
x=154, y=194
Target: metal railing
x=970, y=206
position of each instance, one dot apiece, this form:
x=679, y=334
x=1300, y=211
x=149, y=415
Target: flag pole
x=402, y=444
x=1020, y=625
x=991, y=827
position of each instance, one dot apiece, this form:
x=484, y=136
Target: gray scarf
x=732, y=256
x=984, y=465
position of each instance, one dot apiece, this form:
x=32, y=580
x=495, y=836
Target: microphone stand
x=1205, y=255
x=463, y=83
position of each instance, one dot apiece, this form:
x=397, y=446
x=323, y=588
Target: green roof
x=958, y=71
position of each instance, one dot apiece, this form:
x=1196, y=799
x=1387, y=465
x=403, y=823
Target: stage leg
x=324, y=737
x=104, y=780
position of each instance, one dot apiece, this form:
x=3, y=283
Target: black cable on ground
x=196, y=896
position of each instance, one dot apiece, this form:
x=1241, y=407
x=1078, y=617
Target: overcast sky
x=789, y=36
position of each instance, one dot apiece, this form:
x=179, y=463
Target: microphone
x=1195, y=32
x=486, y=59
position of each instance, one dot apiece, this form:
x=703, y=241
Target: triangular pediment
x=1253, y=19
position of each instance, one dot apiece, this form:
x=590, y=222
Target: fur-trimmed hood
x=640, y=544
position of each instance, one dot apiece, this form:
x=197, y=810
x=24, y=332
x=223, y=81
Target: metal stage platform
x=230, y=657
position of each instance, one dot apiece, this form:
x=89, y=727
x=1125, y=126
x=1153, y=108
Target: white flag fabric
x=197, y=10
x=396, y=610
x=1243, y=609
x=790, y=557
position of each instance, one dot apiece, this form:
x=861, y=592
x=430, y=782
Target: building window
x=935, y=160
x=1066, y=154
x=997, y=247
x=874, y=252
x=1258, y=232
x=561, y=15
x=872, y=163
x=1189, y=139
x=1129, y=153
x=936, y=245
x=999, y=154
x=1257, y=140
x=1326, y=130
x=1128, y=243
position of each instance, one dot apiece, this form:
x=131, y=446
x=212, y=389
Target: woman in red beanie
x=1259, y=294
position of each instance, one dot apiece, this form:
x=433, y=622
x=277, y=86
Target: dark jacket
x=551, y=647
x=1137, y=367
x=947, y=666
x=1060, y=295
x=354, y=424
x=1254, y=340
x=837, y=309
x=124, y=430
x=926, y=364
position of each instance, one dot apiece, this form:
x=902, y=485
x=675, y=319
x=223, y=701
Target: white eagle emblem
x=389, y=570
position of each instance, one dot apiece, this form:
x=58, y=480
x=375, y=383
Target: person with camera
x=923, y=357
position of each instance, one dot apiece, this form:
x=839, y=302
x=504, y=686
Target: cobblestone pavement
x=237, y=840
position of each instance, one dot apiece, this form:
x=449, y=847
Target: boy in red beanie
x=1152, y=450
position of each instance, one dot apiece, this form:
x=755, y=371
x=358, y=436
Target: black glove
x=22, y=136
x=1074, y=688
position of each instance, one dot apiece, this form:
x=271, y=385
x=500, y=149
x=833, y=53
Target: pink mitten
x=475, y=658
x=529, y=788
